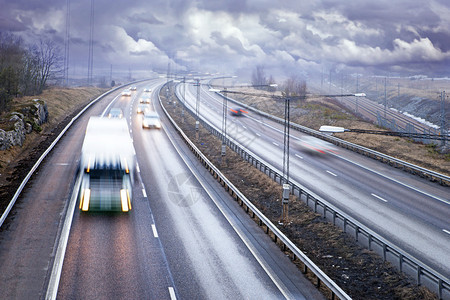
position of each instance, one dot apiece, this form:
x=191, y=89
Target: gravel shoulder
x=360, y=272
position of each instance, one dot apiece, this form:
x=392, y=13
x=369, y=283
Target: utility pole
x=443, y=117
x=385, y=97
x=197, y=105
x=286, y=187
x=184, y=99
x=67, y=45
x=91, y=46
x=224, y=122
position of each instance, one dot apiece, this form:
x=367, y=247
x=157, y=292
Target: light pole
x=443, y=117
x=335, y=129
x=197, y=105
x=286, y=147
x=286, y=187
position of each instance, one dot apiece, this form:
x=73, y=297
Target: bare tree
x=294, y=86
x=48, y=60
x=259, y=76
x=270, y=82
x=11, y=54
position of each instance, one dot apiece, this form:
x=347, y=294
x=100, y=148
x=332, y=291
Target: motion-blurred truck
x=106, y=166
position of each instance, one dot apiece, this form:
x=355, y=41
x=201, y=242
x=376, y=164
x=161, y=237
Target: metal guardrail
x=349, y=225
x=261, y=219
x=397, y=163
x=41, y=158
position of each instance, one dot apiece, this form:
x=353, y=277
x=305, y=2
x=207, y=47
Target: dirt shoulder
x=360, y=272
x=63, y=104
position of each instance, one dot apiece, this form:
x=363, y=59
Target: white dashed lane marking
x=378, y=197
x=155, y=233
x=331, y=173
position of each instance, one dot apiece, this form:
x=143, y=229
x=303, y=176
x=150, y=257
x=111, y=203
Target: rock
x=36, y=114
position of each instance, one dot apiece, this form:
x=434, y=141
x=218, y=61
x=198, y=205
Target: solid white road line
x=446, y=231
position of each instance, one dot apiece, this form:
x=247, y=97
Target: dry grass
x=61, y=102
x=361, y=273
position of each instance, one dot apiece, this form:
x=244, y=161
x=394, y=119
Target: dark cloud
x=405, y=36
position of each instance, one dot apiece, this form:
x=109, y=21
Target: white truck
x=106, y=166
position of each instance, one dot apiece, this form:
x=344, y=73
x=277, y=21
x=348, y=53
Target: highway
x=184, y=237
x=411, y=212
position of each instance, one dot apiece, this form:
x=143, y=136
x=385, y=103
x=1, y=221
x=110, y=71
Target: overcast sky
x=288, y=37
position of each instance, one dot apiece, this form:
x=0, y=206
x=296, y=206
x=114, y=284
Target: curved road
x=411, y=212
x=184, y=238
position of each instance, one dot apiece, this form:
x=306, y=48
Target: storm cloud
x=405, y=37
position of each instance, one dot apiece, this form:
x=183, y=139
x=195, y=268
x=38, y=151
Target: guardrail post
x=440, y=284
x=400, y=262
x=419, y=272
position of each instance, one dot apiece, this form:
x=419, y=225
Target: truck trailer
x=106, y=166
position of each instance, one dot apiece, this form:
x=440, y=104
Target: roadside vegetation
x=63, y=104
x=360, y=272
x=26, y=69
x=314, y=112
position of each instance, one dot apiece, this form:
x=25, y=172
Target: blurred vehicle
x=133, y=88
x=106, y=166
x=237, y=111
x=151, y=120
x=115, y=113
x=142, y=108
x=144, y=99
x=314, y=145
x=126, y=93
x=147, y=90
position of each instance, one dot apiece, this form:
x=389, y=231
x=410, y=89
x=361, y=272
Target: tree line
x=292, y=86
x=26, y=69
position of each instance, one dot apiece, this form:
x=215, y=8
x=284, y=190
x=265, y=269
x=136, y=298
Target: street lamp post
x=286, y=187
x=197, y=106
x=334, y=129
x=224, y=123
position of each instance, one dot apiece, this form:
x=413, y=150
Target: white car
x=115, y=113
x=151, y=120
x=126, y=93
x=147, y=90
x=133, y=88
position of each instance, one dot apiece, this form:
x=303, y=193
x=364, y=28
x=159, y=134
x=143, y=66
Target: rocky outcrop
x=30, y=117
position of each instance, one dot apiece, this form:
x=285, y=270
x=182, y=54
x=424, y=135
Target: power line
x=67, y=45
x=91, y=45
